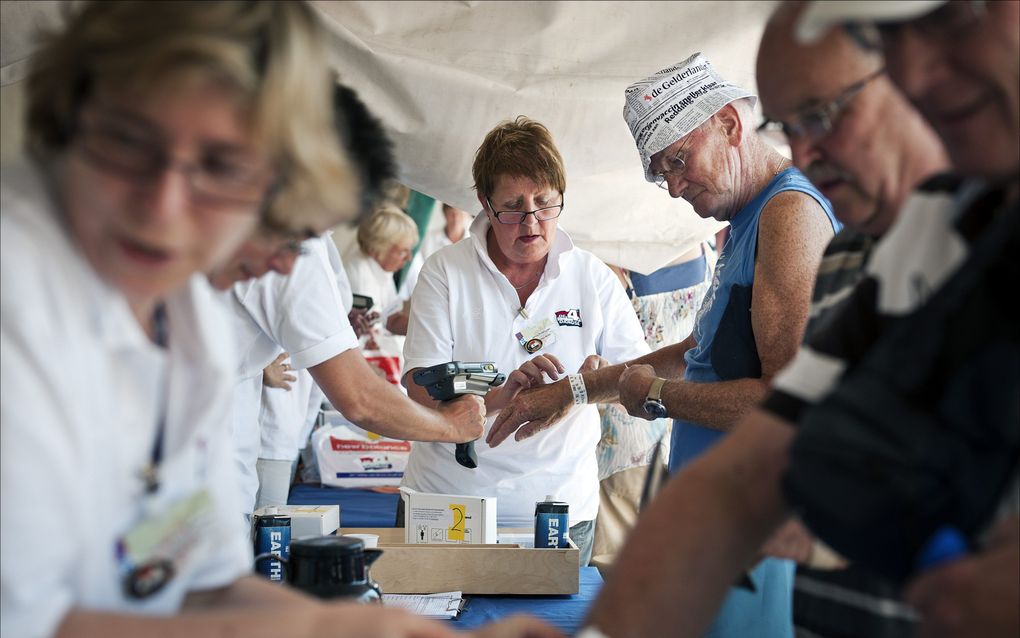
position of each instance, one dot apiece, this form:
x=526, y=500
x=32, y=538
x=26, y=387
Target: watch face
x=655, y=409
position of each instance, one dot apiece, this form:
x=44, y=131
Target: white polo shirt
x=367, y=277
x=287, y=416
x=82, y=390
x=465, y=309
x=302, y=314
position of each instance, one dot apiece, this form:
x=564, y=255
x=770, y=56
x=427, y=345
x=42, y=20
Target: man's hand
x=634, y=384
x=467, y=416
x=517, y=627
x=532, y=411
x=277, y=374
x=977, y=595
x=529, y=375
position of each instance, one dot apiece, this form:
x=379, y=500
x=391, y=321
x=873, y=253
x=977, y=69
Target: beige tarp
x=441, y=74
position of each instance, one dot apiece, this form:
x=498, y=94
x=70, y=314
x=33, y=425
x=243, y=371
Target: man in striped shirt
x=826, y=99
x=957, y=63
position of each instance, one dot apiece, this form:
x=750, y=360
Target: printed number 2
x=456, y=531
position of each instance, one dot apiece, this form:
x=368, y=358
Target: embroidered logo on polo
x=571, y=317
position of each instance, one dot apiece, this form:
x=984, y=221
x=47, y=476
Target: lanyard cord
x=151, y=475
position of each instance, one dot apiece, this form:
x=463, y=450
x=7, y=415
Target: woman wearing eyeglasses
x=520, y=294
x=159, y=132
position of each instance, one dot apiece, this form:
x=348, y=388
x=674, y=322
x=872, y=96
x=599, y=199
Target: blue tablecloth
x=563, y=612
x=358, y=507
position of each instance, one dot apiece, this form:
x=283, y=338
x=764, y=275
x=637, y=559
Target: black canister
x=333, y=567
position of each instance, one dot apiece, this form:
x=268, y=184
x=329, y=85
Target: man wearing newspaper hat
x=949, y=261
x=696, y=139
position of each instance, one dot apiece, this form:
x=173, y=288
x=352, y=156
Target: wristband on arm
x=578, y=389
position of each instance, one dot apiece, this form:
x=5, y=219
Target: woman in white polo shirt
x=519, y=293
x=159, y=132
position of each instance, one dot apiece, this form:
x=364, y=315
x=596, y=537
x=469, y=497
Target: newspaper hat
x=673, y=102
x=819, y=17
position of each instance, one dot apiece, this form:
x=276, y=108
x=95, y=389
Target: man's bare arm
x=705, y=527
x=792, y=236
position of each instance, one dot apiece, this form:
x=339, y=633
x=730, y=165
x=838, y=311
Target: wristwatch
x=653, y=404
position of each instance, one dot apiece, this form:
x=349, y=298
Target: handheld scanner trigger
x=447, y=381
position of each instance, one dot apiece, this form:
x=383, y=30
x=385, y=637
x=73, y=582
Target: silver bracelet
x=578, y=389
x=590, y=632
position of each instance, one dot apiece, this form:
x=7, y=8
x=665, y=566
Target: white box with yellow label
x=443, y=519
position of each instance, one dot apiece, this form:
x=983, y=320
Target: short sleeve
x=303, y=312
x=429, y=330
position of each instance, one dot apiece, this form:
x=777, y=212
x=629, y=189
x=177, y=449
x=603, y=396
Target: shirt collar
x=479, y=232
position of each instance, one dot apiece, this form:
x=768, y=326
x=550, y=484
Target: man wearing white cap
x=908, y=437
x=696, y=139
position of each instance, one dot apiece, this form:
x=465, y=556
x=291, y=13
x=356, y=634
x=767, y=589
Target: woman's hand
x=278, y=373
x=397, y=323
x=634, y=384
x=529, y=375
x=362, y=320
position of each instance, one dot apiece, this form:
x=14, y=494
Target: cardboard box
x=472, y=569
x=308, y=520
x=443, y=519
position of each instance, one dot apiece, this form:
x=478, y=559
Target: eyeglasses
x=130, y=151
x=675, y=166
x=950, y=20
x=511, y=217
x=816, y=122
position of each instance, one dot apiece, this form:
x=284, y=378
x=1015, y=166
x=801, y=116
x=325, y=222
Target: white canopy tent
x=441, y=74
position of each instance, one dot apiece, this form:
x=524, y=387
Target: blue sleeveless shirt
x=726, y=350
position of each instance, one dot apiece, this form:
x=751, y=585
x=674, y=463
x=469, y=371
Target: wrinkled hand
x=397, y=323
x=532, y=411
x=633, y=385
x=529, y=375
x=977, y=595
x=362, y=320
x=277, y=374
x=467, y=416
x=517, y=627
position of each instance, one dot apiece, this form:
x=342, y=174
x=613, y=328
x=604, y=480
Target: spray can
x=272, y=536
x=552, y=523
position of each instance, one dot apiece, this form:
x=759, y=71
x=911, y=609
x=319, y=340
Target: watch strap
x=655, y=390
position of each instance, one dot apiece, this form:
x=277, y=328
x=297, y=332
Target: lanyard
x=150, y=475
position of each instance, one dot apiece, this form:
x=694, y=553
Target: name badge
x=537, y=335
x=152, y=552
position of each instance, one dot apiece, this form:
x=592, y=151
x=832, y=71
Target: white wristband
x=577, y=388
x=590, y=632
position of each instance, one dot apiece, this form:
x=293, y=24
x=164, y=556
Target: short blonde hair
x=272, y=53
x=384, y=228
x=518, y=148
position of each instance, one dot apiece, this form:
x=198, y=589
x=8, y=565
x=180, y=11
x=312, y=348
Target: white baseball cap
x=819, y=17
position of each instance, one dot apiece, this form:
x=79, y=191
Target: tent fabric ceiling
x=441, y=74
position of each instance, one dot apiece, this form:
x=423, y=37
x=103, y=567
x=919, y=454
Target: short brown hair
x=272, y=53
x=518, y=148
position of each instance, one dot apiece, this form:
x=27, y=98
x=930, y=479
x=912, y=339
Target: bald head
x=833, y=60
x=849, y=129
